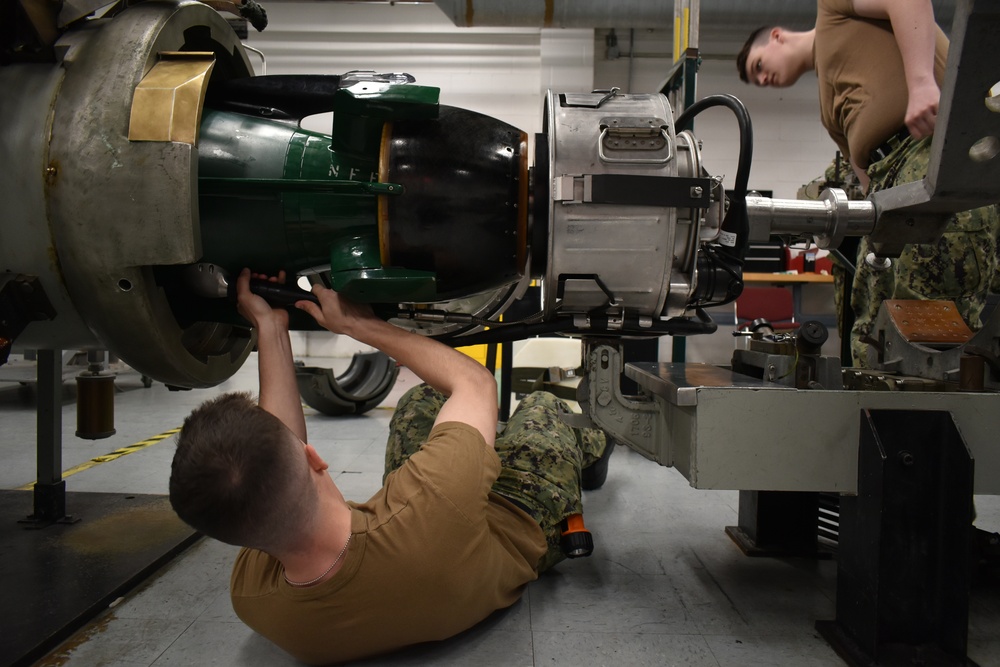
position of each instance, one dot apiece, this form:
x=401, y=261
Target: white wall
x=502, y=72
x=790, y=145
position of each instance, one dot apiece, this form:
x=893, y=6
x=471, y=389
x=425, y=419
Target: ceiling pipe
x=557, y=13
x=715, y=14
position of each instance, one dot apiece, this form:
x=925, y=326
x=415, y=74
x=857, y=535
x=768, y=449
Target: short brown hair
x=240, y=476
x=756, y=38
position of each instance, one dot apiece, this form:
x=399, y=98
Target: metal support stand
x=57, y=580
x=632, y=420
x=506, y=378
x=50, y=487
x=778, y=523
x=506, y=373
x=904, y=565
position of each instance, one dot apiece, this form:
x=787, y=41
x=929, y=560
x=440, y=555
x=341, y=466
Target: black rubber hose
x=255, y=14
x=736, y=220
x=275, y=96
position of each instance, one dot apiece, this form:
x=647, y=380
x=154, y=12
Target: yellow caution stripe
x=111, y=456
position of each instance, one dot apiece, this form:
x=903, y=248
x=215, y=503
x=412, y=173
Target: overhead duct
x=716, y=15
x=558, y=13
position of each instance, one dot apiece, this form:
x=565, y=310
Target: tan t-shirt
x=862, y=85
x=432, y=553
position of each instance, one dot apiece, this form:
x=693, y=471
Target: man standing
x=463, y=522
x=880, y=64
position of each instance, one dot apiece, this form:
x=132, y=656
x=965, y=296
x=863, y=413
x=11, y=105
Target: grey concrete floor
x=665, y=585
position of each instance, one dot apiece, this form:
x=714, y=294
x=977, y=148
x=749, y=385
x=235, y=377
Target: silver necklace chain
x=333, y=565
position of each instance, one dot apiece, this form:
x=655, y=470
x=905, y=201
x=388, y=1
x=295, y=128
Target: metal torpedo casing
x=91, y=213
x=627, y=210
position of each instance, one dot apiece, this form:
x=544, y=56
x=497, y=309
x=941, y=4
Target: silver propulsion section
x=629, y=208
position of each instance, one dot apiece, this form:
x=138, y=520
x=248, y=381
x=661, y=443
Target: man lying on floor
x=463, y=521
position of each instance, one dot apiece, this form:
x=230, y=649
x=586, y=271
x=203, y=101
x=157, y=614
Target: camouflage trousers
x=959, y=267
x=541, y=457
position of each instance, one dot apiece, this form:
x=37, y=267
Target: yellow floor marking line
x=111, y=456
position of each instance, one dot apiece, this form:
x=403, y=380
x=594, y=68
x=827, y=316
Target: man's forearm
x=471, y=389
x=433, y=362
x=279, y=391
x=913, y=26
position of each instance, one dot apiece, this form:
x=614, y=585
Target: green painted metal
x=358, y=251
x=386, y=285
x=231, y=186
x=361, y=111
x=387, y=102
x=356, y=270
x=274, y=196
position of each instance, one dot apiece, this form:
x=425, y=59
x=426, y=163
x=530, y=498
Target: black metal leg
x=903, y=565
x=506, y=378
x=50, y=487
